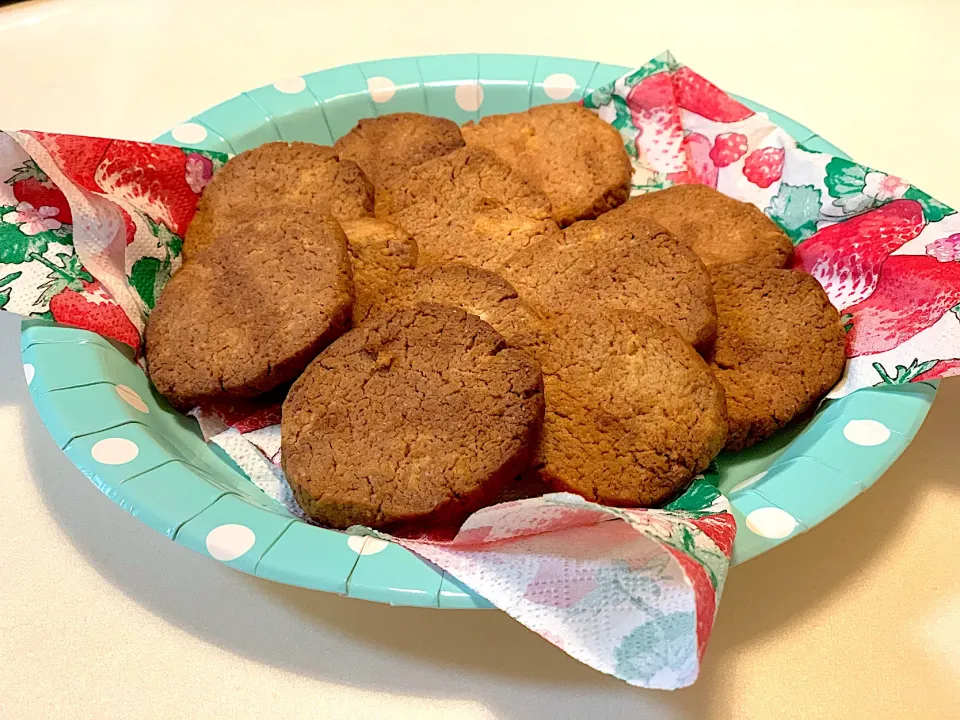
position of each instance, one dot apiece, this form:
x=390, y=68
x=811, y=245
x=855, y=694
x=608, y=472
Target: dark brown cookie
x=633, y=265
x=381, y=253
x=300, y=175
x=633, y=413
x=480, y=292
x=576, y=158
x=251, y=311
x=718, y=228
x=414, y=419
x=392, y=144
x=779, y=347
x=468, y=206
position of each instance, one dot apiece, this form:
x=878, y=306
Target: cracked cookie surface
x=299, y=175
x=249, y=313
x=779, y=347
x=412, y=420
x=576, y=158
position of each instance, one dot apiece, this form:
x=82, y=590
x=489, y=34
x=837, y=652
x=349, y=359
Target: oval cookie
x=412, y=420
x=718, y=228
x=390, y=144
x=249, y=313
x=468, y=206
x=779, y=347
x=633, y=413
x=301, y=175
x=635, y=266
x=576, y=158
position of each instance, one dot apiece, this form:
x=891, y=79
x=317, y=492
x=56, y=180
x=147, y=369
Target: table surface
x=101, y=617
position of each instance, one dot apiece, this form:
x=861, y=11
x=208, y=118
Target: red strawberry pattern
x=913, y=293
x=945, y=249
x=700, y=167
x=846, y=257
x=153, y=179
x=705, y=597
x=652, y=93
x=728, y=148
x=943, y=368
x=93, y=309
x=31, y=185
x=697, y=94
x=77, y=156
x=764, y=167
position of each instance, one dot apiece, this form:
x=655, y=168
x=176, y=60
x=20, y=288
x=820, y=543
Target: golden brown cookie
x=390, y=144
x=381, y=254
x=718, y=228
x=779, y=347
x=414, y=419
x=633, y=413
x=300, y=175
x=249, y=313
x=468, y=206
x=635, y=266
x=480, y=292
x=576, y=158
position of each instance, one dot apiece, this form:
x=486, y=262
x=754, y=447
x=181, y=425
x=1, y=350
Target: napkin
x=92, y=228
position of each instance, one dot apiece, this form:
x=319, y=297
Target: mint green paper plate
x=105, y=415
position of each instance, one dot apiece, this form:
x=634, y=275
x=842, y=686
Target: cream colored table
x=101, y=617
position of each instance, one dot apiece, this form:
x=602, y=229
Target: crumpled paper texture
x=91, y=229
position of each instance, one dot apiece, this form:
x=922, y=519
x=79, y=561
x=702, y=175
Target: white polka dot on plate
x=559, y=86
x=748, y=482
x=28, y=372
x=129, y=396
x=363, y=545
x=381, y=89
x=469, y=96
x=189, y=133
x=114, y=451
x=228, y=542
x=291, y=86
x=866, y=432
x=771, y=522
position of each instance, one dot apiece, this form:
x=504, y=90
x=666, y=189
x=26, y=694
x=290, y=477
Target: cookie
x=388, y=145
x=576, y=158
x=635, y=266
x=718, y=228
x=412, y=420
x=300, y=175
x=250, y=312
x=468, y=206
x=779, y=347
x=480, y=292
x=381, y=253
x=633, y=412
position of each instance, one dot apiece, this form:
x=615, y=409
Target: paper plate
x=104, y=414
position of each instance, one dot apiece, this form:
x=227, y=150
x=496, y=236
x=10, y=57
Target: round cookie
x=468, y=206
x=779, y=347
x=381, y=253
x=718, y=228
x=480, y=292
x=390, y=144
x=635, y=266
x=633, y=413
x=298, y=174
x=413, y=420
x=249, y=313
x=576, y=158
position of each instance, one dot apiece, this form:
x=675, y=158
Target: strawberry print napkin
x=92, y=228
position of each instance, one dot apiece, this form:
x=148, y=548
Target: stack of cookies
x=466, y=311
